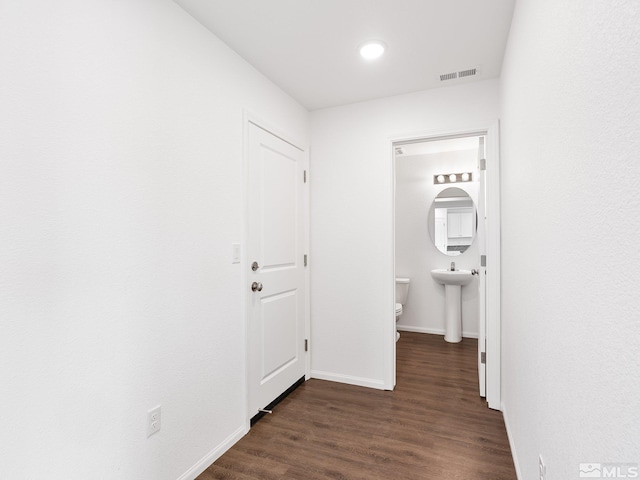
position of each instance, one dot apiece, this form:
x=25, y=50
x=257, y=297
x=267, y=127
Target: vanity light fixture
x=372, y=49
x=452, y=178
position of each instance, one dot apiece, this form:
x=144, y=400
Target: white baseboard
x=511, y=444
x=216, y=453
x=340, y=378
x=433, y=331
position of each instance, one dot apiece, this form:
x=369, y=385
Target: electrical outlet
x=153, y=420
x=542, y=468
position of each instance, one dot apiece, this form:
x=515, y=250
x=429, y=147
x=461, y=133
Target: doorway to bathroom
x=446, y=217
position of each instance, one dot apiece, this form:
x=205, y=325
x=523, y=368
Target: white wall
x=120, y=197
x=570, y=258
x=415, y=253
x=352, y=287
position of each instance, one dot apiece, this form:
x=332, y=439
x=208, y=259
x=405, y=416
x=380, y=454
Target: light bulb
x=452, y=178
x=465, y=177
x=440, y=178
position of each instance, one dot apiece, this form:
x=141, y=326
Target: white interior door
x=482, y=271
x=276, y=279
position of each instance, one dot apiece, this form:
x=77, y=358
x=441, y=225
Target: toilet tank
x=402, y=290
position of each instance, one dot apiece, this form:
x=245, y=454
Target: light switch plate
x=235, y=253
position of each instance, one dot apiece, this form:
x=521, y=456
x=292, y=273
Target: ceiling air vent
x=448, y=76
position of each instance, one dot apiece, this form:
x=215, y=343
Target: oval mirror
x=453, y=221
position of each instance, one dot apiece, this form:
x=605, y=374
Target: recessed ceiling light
x=372, y=49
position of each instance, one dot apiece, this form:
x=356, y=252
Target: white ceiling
x=309, y=48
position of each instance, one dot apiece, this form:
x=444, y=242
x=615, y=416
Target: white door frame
x=248, y=118
x=491, y=131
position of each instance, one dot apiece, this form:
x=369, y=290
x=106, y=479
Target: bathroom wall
x=352, y=253
x=570, y=229
x=120, y=196
x=415, y=253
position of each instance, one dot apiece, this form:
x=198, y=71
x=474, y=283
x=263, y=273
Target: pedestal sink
x=453, y=280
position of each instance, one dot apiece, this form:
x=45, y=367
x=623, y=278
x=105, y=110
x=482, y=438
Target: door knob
x=256, y=287
x=475, y=272
x=255, y=266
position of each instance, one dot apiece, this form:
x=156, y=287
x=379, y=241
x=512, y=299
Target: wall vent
x=448, y=76
x=468, y=73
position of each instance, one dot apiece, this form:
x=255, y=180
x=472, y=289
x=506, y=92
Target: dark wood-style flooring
x=432, y=426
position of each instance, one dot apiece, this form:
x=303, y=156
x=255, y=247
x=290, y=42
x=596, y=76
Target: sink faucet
x=453, y=266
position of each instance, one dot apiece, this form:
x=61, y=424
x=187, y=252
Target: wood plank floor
x=432, y=426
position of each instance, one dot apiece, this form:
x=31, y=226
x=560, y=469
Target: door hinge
x=304, y=176
x=483, y=164
x=306, y=345
x=305, y=259
x=483, y=357
x=483, y=260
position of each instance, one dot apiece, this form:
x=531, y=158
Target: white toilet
x=402, y=291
